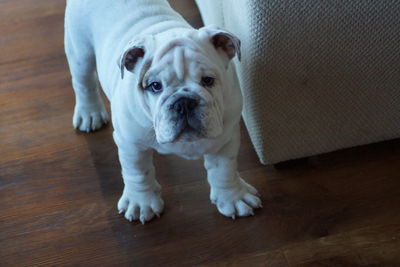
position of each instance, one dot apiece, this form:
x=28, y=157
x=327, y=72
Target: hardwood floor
x=59, y=188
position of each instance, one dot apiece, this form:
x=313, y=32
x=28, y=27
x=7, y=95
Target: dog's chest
x=189, y=150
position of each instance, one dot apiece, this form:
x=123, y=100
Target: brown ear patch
x=228, y=43
x=130, y=58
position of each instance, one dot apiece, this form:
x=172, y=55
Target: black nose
x=184, y=105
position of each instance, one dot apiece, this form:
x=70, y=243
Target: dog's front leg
x=230, y=193
x=141, y=198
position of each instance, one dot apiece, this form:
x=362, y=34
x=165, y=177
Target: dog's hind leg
x=89, y=113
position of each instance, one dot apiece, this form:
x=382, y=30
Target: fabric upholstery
x=316, y=76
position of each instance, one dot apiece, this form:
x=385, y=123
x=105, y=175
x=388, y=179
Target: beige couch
x=316, y=76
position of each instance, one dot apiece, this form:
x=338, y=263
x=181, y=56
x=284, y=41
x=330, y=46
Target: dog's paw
x=239, y=200
x=141, y=205
x=90, y=118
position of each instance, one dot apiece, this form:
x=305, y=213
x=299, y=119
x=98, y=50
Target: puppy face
x=182, y=83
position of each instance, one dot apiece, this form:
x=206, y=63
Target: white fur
x=97, y=34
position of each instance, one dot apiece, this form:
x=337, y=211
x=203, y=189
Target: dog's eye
x=207, y=81
x=155, y=87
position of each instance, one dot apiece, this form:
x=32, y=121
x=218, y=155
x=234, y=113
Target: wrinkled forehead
x=183, y=57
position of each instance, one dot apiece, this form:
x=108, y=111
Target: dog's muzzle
x=185, y=115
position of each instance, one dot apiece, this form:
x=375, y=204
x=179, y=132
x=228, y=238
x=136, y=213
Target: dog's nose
x=184, y=105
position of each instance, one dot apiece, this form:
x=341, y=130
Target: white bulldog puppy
x=172, y=89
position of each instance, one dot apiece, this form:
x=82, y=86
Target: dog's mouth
x=188, y=130
x=187, y=135
x=186, y=120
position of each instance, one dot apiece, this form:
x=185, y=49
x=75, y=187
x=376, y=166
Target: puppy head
x=181, y=81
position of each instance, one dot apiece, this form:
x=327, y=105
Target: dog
x=172, y=88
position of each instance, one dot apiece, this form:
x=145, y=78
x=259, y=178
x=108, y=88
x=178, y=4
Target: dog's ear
x=130, y=57
x=224, y=41
x=134, y=52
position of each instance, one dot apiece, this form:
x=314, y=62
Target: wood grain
x=59, y=188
